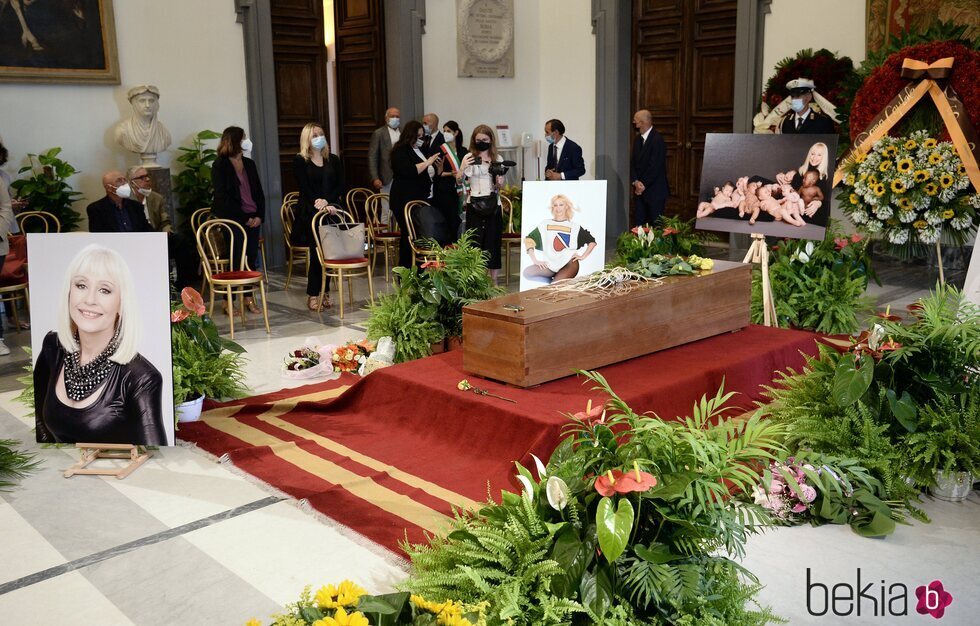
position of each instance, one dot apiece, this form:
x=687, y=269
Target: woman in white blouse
x=483, y=215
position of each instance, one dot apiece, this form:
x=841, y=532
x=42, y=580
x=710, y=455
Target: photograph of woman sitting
x=90, y=382
x=558, y=245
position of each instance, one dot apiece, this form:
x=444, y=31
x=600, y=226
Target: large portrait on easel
x=778, y=185
x=100, y=338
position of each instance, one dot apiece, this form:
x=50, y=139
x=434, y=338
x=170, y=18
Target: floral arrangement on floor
x=351, y=356
x=817, y=286
x=670, y=236
x=911, y=191
x=311, y=360
x=347, y=604
x=905, y=398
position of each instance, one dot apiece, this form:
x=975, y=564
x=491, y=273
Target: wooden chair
x=14, y=288
x=418, y=251
x=381, y=234
x=295, y=253
x=509, y=239
x=356, y=202
x=292, y=196
x=46, y=222
x=340, y=269
x=239, y=280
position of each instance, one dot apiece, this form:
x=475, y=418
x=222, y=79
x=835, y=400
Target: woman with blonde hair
x=482, y=207
x=90, y=382
x=320, y=177
x=557, y=246
x=817, y=160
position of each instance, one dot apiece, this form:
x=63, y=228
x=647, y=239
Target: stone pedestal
x=160, y=178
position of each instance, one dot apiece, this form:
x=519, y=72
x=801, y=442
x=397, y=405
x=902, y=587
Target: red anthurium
x=179, y=315
x=856, y=238
x=616, y=481
x=192, y=300
x=670, y=231
x=889, y=316
x=889, y=345
x=590, y=411
x=841, y=242
x=433, y=264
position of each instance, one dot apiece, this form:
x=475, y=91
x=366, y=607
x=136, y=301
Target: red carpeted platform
x=394, y=452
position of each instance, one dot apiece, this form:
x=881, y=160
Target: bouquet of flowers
x=670, y=236
x=350, y=356
x=659, y=265
x=911, y=191
x=310, y=361
x=786, y=493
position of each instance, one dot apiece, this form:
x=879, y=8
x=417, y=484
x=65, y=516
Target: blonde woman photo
x=558, y=245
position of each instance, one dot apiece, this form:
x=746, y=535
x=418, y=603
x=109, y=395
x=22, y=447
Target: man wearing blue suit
x=565, y=160
x=648, y=170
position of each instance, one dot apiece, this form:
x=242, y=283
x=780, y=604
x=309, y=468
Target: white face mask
x=797, y=104
x=448, y=137
x=247, y=145
x=418, y=143
x=393, y=122
x=319, y=143
x=124, y=191
x=145, y=192
x=426, y=130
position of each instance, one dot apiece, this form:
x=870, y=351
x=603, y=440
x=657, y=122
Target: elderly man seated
x=120, y=212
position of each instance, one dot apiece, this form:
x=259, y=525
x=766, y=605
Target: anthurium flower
x=616, y=481
x=528, y=491
x=557, y=492
x=670, y=231
x=542, y=470
x=590, y=411
x=341, y=618
x=179, y=315
x=192, y=300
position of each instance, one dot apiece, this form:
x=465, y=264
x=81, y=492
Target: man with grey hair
x=379, y=152
x=648, y=170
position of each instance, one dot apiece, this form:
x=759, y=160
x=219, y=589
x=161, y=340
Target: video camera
x=499, y=168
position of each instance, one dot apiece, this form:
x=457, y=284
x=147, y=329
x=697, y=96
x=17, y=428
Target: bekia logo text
x=873, y=598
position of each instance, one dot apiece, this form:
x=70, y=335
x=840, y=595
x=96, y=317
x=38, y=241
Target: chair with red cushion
x=381, y=235
x=339, y=269
x=13, y=277
x=222, y=278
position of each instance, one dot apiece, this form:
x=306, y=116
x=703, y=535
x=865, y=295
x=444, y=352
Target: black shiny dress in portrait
x=128, y=409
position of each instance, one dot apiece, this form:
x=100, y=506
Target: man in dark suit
x=802, y=119
x=116, y=212
x=379, y=151
x=565, y=160
x=432, y=137
x=648, y=170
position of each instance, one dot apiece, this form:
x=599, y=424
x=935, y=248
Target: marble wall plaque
x=485, y=38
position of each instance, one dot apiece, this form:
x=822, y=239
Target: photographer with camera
x=485, y=170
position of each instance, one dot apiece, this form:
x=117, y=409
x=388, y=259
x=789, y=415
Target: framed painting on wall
x=58, y=41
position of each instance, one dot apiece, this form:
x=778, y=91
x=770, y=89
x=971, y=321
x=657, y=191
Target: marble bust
x=143, y=133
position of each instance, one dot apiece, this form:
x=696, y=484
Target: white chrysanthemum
x=906, y=217
x=873, y=226
x=975, y=201
x=859, y=217
x=947, y=195
x=898, y=237
x=961, y=223
x=884, y=212
x=933, y=217
x=929, y=235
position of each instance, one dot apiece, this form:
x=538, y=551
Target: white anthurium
x=557, y=492
x=528, y=487
x=875, y=336
x=809, y=248
x=542, y=472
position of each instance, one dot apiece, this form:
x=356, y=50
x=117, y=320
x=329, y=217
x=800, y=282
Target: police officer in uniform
x=802, y=119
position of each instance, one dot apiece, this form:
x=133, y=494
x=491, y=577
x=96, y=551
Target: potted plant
x=945, y=447
x=204, y=363
x=47, y=188
x=193, y=184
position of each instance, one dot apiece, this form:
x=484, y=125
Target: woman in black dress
x=487, y=224
x=90, y=383
x=238, y=196
x=411, y=180
x=320, y=177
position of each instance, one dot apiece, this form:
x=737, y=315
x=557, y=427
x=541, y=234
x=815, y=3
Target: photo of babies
x=778, y=185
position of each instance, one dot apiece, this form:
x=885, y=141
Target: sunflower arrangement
x=911, y=191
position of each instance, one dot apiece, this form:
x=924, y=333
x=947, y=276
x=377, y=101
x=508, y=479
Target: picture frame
x=58, y=42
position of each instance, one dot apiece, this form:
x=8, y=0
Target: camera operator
x=484, y=169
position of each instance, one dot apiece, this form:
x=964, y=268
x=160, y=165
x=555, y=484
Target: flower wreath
x=828, y=71
x=485, y=54
x=886, y=82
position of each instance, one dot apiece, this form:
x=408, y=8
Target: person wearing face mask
x=802, y=119
x=379, y=151
x=483, y=215
x=432, y=137
x=447, y=193
x=648, y=170
x=320, y=177
x=238, y=196
x=412, y=180
x=565, y=160
x=118, y=211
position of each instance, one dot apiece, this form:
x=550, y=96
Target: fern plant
x=14, y=464
x=947, y=438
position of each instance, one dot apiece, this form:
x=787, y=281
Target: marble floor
x=188, y=540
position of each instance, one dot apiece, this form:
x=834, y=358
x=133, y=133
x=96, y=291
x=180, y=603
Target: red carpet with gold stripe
x=392, y=454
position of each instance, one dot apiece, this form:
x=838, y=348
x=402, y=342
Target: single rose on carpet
x=464, y=385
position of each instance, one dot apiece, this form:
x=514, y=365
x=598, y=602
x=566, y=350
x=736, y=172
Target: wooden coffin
x=556, y=333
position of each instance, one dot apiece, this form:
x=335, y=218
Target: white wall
x=554, y=74
x=192, y=50
x=837, y=25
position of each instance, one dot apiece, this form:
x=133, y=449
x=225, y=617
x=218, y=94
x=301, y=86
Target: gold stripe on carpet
x=361, y=486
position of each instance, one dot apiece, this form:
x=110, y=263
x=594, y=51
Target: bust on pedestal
x=143, y=133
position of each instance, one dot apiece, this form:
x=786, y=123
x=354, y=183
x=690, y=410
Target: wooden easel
x=94, y=451
x=759, y=253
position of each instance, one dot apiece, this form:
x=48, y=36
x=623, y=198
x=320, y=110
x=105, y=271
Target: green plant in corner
x=193, y=183
x=14, y=464
x=47, y=188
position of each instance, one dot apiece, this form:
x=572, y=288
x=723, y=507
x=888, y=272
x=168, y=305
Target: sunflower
x=948, y=214
x=961, y=170
x=860, y=157
x=935, y=158
x=931, y=188
x=849, y=180
x=890, y=151
x=898, y=186
x=920, y=175
x=946, y=180
x=905, y=165
x=911, y=145
x=879, y=189
x=919, y=224
x=904, y=203
x=854, y=199
x=872, y=180
x=885, y=166
x=929, y=143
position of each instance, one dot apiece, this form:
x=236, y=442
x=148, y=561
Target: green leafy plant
x=946, y=438
x=670, y=236
x=193, y=183
x=14, y=464
x=515, y=194
x=204, y=362
x=47, y=188
x=655, y=498
x=817, y=286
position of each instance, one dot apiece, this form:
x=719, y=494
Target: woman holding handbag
x=411, y=180
x=482, y=207
x=320, y=177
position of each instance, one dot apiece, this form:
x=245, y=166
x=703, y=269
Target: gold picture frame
x=58, y=42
